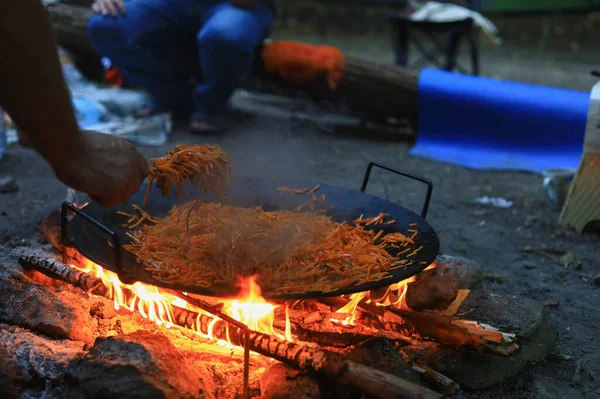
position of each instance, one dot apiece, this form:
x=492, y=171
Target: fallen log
x=367, y=88
x=329, y=366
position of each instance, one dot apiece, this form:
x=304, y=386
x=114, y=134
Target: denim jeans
x=190, y=55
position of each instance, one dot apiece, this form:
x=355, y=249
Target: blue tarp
x=483, y=123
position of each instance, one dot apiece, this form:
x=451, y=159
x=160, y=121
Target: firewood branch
x=456, y=333
x=325, y=365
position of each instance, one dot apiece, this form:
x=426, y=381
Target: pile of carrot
x=205, y=166
x=290, y=252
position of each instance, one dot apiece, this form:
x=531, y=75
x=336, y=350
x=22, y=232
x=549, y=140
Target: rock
x=32, y=362
x=50, y=229
x=513, y=314
x=282, y=382
x=25, y=303
x=596, y=280
x=8, y=184
x=437, y=287
x=137, y=365
x=524, y=317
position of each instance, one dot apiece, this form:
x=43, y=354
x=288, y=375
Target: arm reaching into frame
x=35, y=95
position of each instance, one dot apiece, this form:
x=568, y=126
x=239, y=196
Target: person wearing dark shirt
x=35, y=95
x=189, y=55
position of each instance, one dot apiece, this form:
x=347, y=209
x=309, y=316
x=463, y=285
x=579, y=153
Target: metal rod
x=247, y=365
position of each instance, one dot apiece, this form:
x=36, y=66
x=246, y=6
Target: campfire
x=320, y=339
x=426, y=336
x=246, y=321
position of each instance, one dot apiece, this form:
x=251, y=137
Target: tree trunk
x=369, y=89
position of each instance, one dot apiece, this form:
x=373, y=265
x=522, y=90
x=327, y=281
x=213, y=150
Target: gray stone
x=137, y=365
x=524, y=317
x=282, y=382
x=32, y=362
x=512, y=314
x=438, y=287
x=25, y=303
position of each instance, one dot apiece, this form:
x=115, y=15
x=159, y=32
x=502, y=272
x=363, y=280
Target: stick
x=58, y=270
x=440, y=381
x=457, y=333
x=329, y=366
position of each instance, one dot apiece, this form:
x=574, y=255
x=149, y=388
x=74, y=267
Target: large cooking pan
x=98, y=234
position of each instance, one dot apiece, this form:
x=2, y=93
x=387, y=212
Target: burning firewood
x=457, y=333
x=324, y=364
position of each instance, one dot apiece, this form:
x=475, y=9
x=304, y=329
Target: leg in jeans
x=150, y=45
x=227, y=41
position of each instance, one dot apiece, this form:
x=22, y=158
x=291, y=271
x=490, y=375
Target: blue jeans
x=156, y=44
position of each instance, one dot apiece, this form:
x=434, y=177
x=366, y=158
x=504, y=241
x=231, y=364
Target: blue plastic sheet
x=484, y=123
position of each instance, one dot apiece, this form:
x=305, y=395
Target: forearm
x=32, y=88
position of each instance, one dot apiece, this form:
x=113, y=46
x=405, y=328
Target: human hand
x=243, y=3
x=109, y=7
x=107, y=168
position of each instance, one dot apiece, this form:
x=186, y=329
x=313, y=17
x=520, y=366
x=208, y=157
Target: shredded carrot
x=291, y=252
x=205, y=166
x=301, y=191
x=372, y=221
x=314, y=189
x=136, y=220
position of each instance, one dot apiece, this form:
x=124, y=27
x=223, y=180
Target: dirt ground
x=523, y=246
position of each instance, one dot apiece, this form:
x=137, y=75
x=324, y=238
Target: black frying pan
x=92, y=229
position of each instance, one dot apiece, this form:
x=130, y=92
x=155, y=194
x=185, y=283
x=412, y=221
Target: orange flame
x=395, y=297
x=249, y=307
x=253, y=310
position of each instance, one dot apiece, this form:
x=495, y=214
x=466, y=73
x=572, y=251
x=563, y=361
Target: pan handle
x=428, y=182
x=64, y=225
